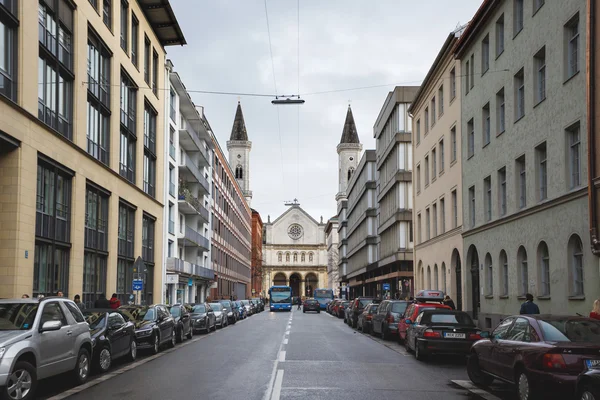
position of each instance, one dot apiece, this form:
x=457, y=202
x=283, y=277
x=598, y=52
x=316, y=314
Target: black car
x=203, y=318
x=181, y=315
x=154, y=326
x=588, y=385
x=358, y=306
x=112, y=337
x=441, y=332
x=311, y=305
x=259, y=305
x=233, y=313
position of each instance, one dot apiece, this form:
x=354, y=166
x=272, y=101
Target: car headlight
x=146, y=332
x=93, y=342
x=229, y=314
x=2, y=351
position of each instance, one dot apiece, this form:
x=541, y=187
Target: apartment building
x=257, y=254
x=231, y=216
x=91, y=142
x=525, y=203
x=332, y=241
x=437, y=214
x=593, y=96
x=362, y=228
x=188, y=177
x=392, y=131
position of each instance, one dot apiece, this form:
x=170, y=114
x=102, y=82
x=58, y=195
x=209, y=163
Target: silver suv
x=40, y=338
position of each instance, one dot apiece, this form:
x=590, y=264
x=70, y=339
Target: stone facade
x=332, y=240
x=257, y=254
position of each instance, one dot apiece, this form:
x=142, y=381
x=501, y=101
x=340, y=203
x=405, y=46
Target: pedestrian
x=529, y=307
x=595, y=314
x=449, y=302
x=114, y=302
x=299, y=302
x=25, y=296
x=60, y=293
x=77, y=301
x=102, y=301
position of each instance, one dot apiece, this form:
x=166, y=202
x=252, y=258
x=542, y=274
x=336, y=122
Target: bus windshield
x=281, y=295
x=323, y=293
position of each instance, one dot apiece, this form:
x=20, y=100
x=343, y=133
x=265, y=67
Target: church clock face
x=295, y=231
x=351, y=159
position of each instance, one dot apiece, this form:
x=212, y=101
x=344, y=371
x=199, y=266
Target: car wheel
x=525, y=389
x=82, y=367
x=318, y=311
x=478, y=377
x=418, y=353
x=179, y=337
x=104, y=359
x=173, y=338
x=383, y=334
x=21, y=383
x=132, y=355
x=587, y=394
x=156, y=346
x=190, y=333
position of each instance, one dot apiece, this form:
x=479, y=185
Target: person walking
x=595, y=314
x=449, y=302
x=299, y=302
x=115, y=302
x=77, y=300
x=102, y=301
x=529, y=307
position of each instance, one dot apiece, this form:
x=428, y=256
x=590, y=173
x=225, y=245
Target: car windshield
x=226, y=303
x=451, y=319
x=365, y=302
x=17, y=316
x=345, y=303
x=95, y=319
x=311, y=301
x=216, y=306
x=565, y=330
x=245, y=302
x=199, y=308
x=175, y=311
x=399, y=307
x=373, y=308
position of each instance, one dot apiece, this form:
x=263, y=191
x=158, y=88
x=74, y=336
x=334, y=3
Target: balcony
x=189, y=141
x=188, y=204
x=191, y=238
x=191, y=173
x=184, y=267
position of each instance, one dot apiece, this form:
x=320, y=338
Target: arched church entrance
x=311, y=282
x=295, y=280
x=279, y=279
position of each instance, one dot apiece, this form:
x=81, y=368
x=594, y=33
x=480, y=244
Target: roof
x=238, y=131
x=162, y=19
x=400, y=94
x=349, y=134
x=478, y=21
x=289, y=210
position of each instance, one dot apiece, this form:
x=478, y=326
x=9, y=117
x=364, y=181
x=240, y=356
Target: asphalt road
x=273, y=356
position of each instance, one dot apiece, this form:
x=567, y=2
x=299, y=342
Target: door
x=509, y=349
x=163, y=324
x=56, y=347
x=487, y=354
x=475, y=285
x=185, y=319
x=119, y=337
x=402, y=324
x=211, y=319
x=378, y=317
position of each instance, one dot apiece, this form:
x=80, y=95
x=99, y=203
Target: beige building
x=525, y=204
x=332, y=240
x=437, y=213
x=81, y=165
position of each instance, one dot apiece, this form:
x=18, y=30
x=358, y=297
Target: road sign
x=190, y=282
x=386, y=286
x=138, y=284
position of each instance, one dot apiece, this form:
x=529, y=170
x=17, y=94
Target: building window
x=126, y=230
x=521, y=181
x=441, y=100
x=454, y=209
x=487, y=187
x=452, y=83
x=107, y=13
x=576, y=261
x=149, y=150
x=502, y=191
x=147, y=60
x=295, y=257
x=523, y=271
x=500, y=35
x=310, y=257
x=489, y=272
x=442, y=155
x=504, y=272
x=128, y=128
x=155, y=72
x=172, y=105
x=148, y=238
x=420, y=228
x=433, y=165
x=98, y=99
x=94, y=4
x=539, y=65
x=426, y=171
x=434, y=215
x=418, y=178
x=518, y=16
x=542, y=171
x=433, y=111
x=426, y=120
x=135, y=39
x=519, y=95
x=467, y=76
x=572, y=46
x=472, y=72
x=485, y=119
x=436, y=278
x=537, y=4
x=124, y=24
x=444, y=280
x=453, y=150
x=442, y=215
x=427, y=224
x=303, y=257
x=471, y=137
x=8, y=43
x=573, y=140
x=96, y=245
x=279, y=257
x=544, y=269
x=485, y=54
x=287, y=257
x=500, y=112
x=472, y=206
x=149, y=173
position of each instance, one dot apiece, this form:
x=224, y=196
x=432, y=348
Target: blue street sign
x=190, y=282
x=138, y=284
x=386, y=286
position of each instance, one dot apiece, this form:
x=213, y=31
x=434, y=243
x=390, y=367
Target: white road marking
x=285, y=341
x=281, y=356
x=474, y=389
x=278, y=383
x=287, y=332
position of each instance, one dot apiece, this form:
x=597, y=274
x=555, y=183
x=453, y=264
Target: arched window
x=504, y=273
x=287, y=257
x=489, y=271
x=436, y=280
x=279, y=257
x=295, y=257
x=576, y=265
x=523, y=271
x=303, y=257
x=310, y=257
x=239, y=172
x=428, y=277
x=350, y=172
x=544, y=269
x=444, y=282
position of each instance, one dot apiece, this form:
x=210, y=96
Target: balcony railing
x=191, y=238
x=184, y=267
x=187, y=162
x=194, y=203
x=190, y=141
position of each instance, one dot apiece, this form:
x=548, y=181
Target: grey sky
x=343, y=44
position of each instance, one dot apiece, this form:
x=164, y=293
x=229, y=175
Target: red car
x=537, y=353
x=426, y=300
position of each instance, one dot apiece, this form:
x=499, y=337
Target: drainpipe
x=591, y=124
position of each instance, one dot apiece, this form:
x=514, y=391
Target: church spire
x=238, y=131
x=349, y=134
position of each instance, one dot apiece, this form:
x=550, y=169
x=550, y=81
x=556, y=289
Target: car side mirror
x=408, y=322
x=49, y=326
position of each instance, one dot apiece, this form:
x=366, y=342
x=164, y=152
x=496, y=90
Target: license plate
x=592, y=364
x=452, y=335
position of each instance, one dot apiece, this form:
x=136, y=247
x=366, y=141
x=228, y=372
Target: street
x=281, y=356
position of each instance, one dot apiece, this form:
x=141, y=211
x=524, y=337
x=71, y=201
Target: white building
x=332, y=240
x=187, y=269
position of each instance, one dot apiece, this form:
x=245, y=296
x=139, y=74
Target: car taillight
x=554, y=361
x=369, y=317
x=431, y=334
x=474, y=336
x=390, y=319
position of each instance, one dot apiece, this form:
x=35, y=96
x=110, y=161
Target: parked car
x=588, y=385
x=41, y=338
x=154, y=326
x=348, y=314
x=203, y=318
x=183, y=321
x=112, y=337
x=311, y=305
x=220, y=314
x=537, y=353
x=441, y=332
x=330, y=305
x=241, y=309
x=248, y=306
x=365, y=319
x=340, y=308
x=424, y=300
x=385, y=321
x=358, y=305
x=259, y=304
x=233, y=313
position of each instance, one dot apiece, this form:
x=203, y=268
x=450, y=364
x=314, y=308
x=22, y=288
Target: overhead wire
x=298, y=107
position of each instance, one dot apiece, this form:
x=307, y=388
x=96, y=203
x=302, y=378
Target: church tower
x=348, y=154
x=239, y=148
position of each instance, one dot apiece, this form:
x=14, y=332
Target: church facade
x=295, y=252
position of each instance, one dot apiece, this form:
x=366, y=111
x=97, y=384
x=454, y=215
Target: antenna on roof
x=292, y=203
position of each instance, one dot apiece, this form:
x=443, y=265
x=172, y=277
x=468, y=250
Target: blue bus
x=323, y=296
x=280, y=298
